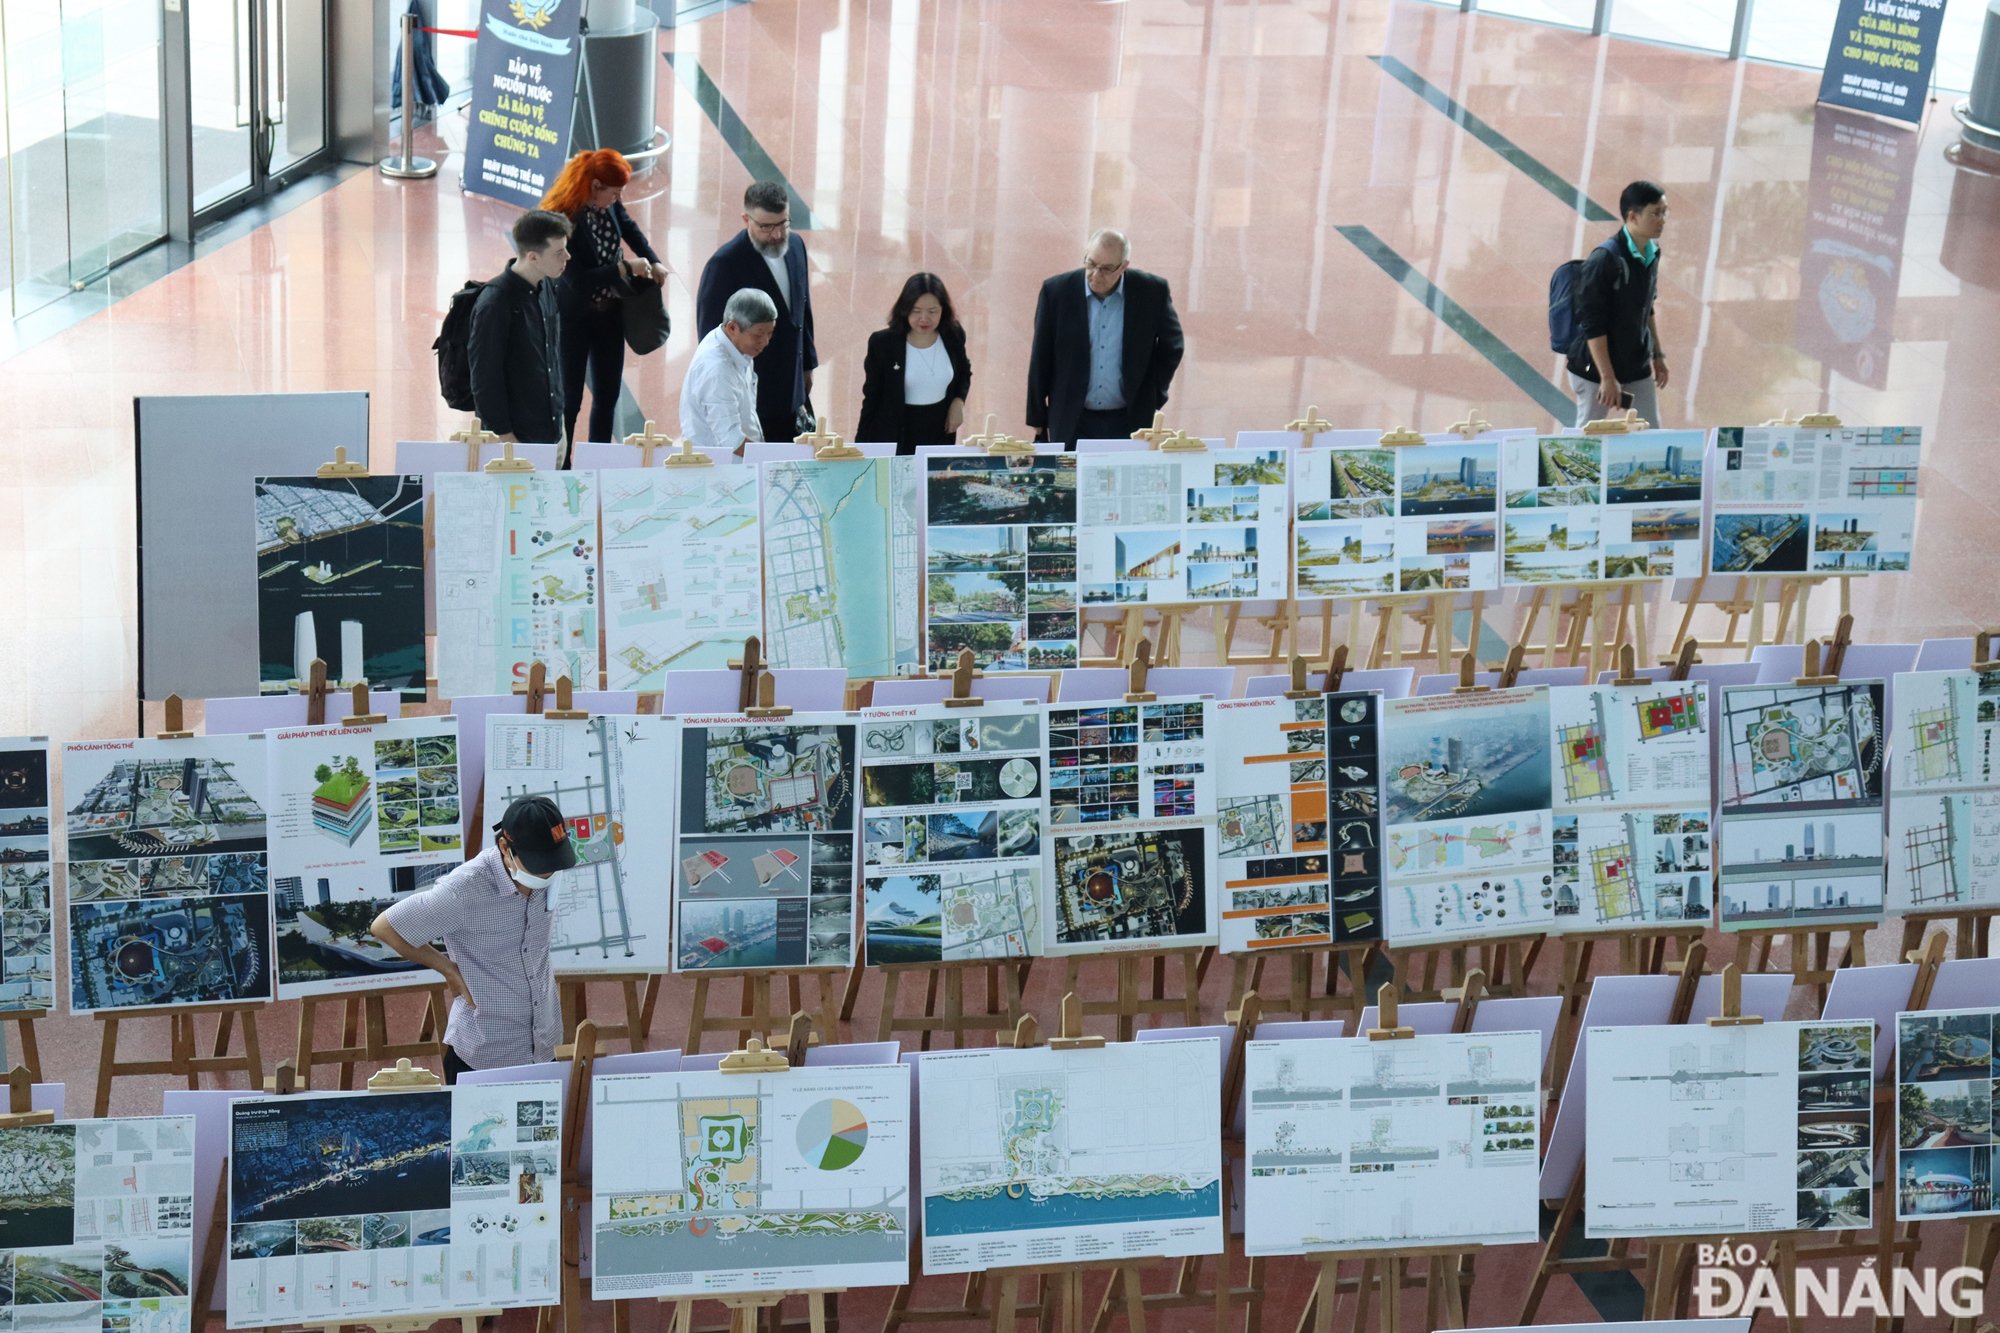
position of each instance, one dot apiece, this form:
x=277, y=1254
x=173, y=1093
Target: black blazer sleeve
x=1169, y=347
x=802, y=297
x=961, y=365
x=492, y=314
x=881, y=390
x=629, y=231
x=1042, y=357
x=714, y=291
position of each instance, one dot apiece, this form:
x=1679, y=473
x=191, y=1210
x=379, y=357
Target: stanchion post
x=408, y=166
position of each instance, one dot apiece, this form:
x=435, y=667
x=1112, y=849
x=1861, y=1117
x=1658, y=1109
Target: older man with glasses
x=766, y=256
x=1107, y=343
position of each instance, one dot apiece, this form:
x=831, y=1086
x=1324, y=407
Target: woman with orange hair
x=589, y=193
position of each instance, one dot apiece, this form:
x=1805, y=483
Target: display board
x=1944, y=811
x=1354, y=778
x=1944, y=1114
x=682, y=582
x=841, y=586
x=1789, y=500
x=1130, y=858
x=1879, y=57
x=1044, y=1158
x=1167, y=528
x=1602, y=508
x=523, y=98
x=517, y=579
x=1723, y=1131
x=764, y=851
x=361, y=817
x=1374, y=520
x=1467, y=813
x=1631, y=793
x=614, y=780
x=168, y=898
x=1000, y=561
x=1432, y=1140
x=99, y=1225
x=27, y=901
x=1273, y=857
x=791, y=1180
x=1801, y=805
x=952, y=831
x=354, y=1206
x=340, y=577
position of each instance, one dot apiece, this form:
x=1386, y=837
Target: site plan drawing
x=683, y=586
x=517, y=579
x=1801, y=804
x=1602, y=508
x=1000, y=561
x=1173, y=528
x=791, y=1180
x=1466, y=806
x=1273, y=845
x=1045, y=1157
x=764, y=851
x=1375, y=520
x=1373, y=1144
x=951, y=843
x=1633, y=847
x=1793, y=500
x=613, y=778
x=841, y=568
x=1945, y=1126
x=340, y=577
x=361, y=817
x=1944, y=811
x=99, y=1226
x=168, y=898
x=349, y=1207
x=1130, y=857
x=27, y=902
x=1721, y=1131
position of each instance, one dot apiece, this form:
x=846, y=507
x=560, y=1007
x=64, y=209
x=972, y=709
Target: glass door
x=257, y=94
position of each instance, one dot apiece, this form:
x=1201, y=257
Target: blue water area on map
x=856, y=503
x=997, y=1212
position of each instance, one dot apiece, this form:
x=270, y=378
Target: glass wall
x=1565, y=13
x=1702, y=24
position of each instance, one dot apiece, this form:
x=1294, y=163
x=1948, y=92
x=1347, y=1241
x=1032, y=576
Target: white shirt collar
x=736, y=358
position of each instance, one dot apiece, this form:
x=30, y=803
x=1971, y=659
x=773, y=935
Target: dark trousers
x=593, y=338
x=924, y=424
x=1111, y=424
x=453, y=1066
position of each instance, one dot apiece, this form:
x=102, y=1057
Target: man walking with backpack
x=515, y=350
x=1608, y=317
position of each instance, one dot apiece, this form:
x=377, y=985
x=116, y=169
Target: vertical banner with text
x=523, y=96
x=1881, y=56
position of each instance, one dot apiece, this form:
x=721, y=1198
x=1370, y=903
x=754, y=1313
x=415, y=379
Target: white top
x=719, y=395
x=926, y=373
x=779, y=273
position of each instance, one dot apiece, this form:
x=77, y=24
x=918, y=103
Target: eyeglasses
x=1094, y=269
x=776, y=226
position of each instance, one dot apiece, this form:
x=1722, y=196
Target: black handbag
x=645, y=310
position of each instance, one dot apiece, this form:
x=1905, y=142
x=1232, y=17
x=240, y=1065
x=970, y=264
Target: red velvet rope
x=453, y=32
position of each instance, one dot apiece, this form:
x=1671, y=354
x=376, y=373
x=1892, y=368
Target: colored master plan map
x=841, y=571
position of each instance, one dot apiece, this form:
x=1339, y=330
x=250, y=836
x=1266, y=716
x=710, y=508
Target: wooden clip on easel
x=20, y=1101
x=361, y=717
x=685, y=456
x=827, y=446
x=767, y=704
x=646, y=441
x=1336, y=669
x=1136, y=671
x=536, y=687
x=961, y=695
x=507, y=463
x=315, y=693
x=340, y=466
x=1629, y=424
x=1472, y=426
x=1309, y=426
x=472, y=438
x=1297, y=683
x=1510, y=670
x=1154, y=433
x=1468, y=676
x=565, y=709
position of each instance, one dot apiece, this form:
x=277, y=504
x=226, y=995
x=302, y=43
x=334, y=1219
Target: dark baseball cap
x=538, y=834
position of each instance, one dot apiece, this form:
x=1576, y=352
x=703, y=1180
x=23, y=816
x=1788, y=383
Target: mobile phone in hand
x=1624, y=400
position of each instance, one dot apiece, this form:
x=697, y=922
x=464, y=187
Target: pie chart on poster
x=832, y=1134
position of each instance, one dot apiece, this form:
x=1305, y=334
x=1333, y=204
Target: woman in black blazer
x=916, y=374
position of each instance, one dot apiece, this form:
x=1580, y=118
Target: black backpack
x=454, y=348
x=1562, y=298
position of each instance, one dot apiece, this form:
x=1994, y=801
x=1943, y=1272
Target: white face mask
x=520, y=876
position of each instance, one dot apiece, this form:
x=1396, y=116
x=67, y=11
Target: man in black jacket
x=1614, y=315
x=516, y=348
x=1107, y=343
x=766, y=255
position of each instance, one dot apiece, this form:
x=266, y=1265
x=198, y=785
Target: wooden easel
x=648, y=440
x=472, y=438
x=181, y=1038
x=1971, y=927
x=20, y=1101
x=507, y=463
x=31, y=1049
x=212, y=1254
x=827, y=446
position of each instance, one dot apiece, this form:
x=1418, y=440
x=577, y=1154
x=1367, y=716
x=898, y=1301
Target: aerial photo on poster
x=1000, y=561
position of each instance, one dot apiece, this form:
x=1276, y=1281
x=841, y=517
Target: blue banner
x=1881, y=56
x=523, y=97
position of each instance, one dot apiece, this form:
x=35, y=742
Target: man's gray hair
x=749, y=308
x=1113, y=236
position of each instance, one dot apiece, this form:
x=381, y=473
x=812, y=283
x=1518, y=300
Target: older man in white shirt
x=719, y=395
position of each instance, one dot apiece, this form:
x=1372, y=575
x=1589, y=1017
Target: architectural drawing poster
x=1000, y=561
x=1602, y=508
x=1466, y=807
x=361, y=817
x=1354, y=793
x=99, y=1226
x=1181, y=527
x=517, y=579
x=951, y=841
x=1789, y=500
x=795, y=1180
x=613, y=778
x=1419, y=518
x=764, y=846
x=841, y=569
x=1271, y=823
x=169, y=901
x=1694, y=1130
x=27, y=904
x=1801, y=804
x=352, y=1206
x=340, y=577
x=1944, y=1114
x=1374, y=1144
x=1944, y=811
x=682, y=584
x=1034, y=1157
x=1631, y=805
x=1130, y=858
